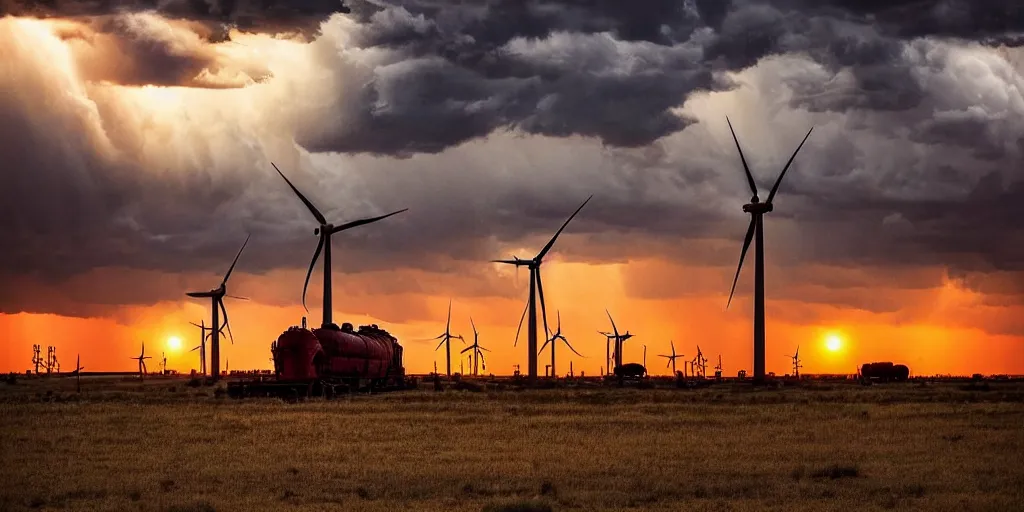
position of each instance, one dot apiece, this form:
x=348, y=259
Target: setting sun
x=833, y=342
x=174, y=343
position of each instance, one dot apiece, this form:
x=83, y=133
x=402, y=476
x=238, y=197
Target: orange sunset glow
x=931, y=344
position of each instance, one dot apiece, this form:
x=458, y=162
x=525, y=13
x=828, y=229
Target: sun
x=833, y=342
x=174, y=343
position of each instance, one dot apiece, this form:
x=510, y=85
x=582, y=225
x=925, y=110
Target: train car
x=884, y=372
x=329, y=359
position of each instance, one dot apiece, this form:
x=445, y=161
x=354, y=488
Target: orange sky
x=939, y=330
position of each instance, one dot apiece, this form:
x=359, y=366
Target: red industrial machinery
x=324, y=361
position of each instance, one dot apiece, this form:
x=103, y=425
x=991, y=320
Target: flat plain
x=163, y=446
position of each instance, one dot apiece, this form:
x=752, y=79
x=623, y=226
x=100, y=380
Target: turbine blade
x=541, y=349
x=237, y=297
x=778, y=181
x=570, y=347
x=196, y=348
x=484, y=349
x=467, y=349
x=614, y=329
x=547, y=247
x=440, y=344
x=312, y=209
x=197, y=325
x=474, y=325
x=746, y=169
x=746, y=245
x=521, y=318
x=227, y=323
x=543, y=308
x=673, y=343
x=448, y=324
x=312, y=263
x=361, y=222
x=232, y=267
x=199, y=294
x=507, y=262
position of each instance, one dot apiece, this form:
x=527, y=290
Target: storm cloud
x=492, y=120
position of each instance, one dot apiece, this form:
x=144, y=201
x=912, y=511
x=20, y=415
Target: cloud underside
x=491, y=121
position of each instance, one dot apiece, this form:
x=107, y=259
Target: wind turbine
x=536, y=288
x=796, y=362
x=619, y=339
x=142, y=362
x=478, y=351
x=78, y=373
x=757, y=210
x=672, y=358
x=701, y=362
x=446, y=338
x=202, y=344
x=324, y=231
x=554, y=340
x=216, y=297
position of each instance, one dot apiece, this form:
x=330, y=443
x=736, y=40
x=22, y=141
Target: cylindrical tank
x=367, y=353
x=297, y=354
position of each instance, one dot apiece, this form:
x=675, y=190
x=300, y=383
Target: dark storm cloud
x=302, y=16
x=428, y=77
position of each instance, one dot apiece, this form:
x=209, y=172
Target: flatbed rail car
x=327, y=361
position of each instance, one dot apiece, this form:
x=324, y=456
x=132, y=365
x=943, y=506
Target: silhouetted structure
x=619, y=339
x=672, y=358
x=536, y=289
x=884, y=372
x=757, y=210
x=216, y=297
x=142, y=362
x=78, y=373
x=796, y=362
x=478, y=351
x=446, y=338
x=553, y=340
x=324, y=231
x=202, y=344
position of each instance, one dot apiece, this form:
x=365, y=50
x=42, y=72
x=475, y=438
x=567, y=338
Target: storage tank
x=368, y=353
x=297, y=353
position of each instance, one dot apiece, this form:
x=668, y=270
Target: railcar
x=329, y=360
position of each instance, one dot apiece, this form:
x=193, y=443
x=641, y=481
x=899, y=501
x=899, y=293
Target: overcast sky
x=491, y=121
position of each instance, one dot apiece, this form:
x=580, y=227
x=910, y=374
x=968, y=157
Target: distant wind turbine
x=671, y=358
x=619, y=339
x=478, y=350
x=757, y=210
x=554, y=340
x=536, y=289
x=216, y=297
x=446, y=338
x=142, y=362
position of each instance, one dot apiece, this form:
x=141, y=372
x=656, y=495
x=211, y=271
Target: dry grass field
x=167, y=447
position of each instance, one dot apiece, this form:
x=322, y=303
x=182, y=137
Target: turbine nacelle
x=758, y=208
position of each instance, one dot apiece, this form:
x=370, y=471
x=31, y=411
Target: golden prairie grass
x=119, y=446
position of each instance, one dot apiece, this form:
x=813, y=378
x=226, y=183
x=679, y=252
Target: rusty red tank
x=332, y=352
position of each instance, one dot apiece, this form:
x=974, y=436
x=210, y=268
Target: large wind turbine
x=446, y=339
x=324, y=231
x=216, y=297
x=536, y=288
x=478, y=350
x=757, y=209
x=554, y=340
